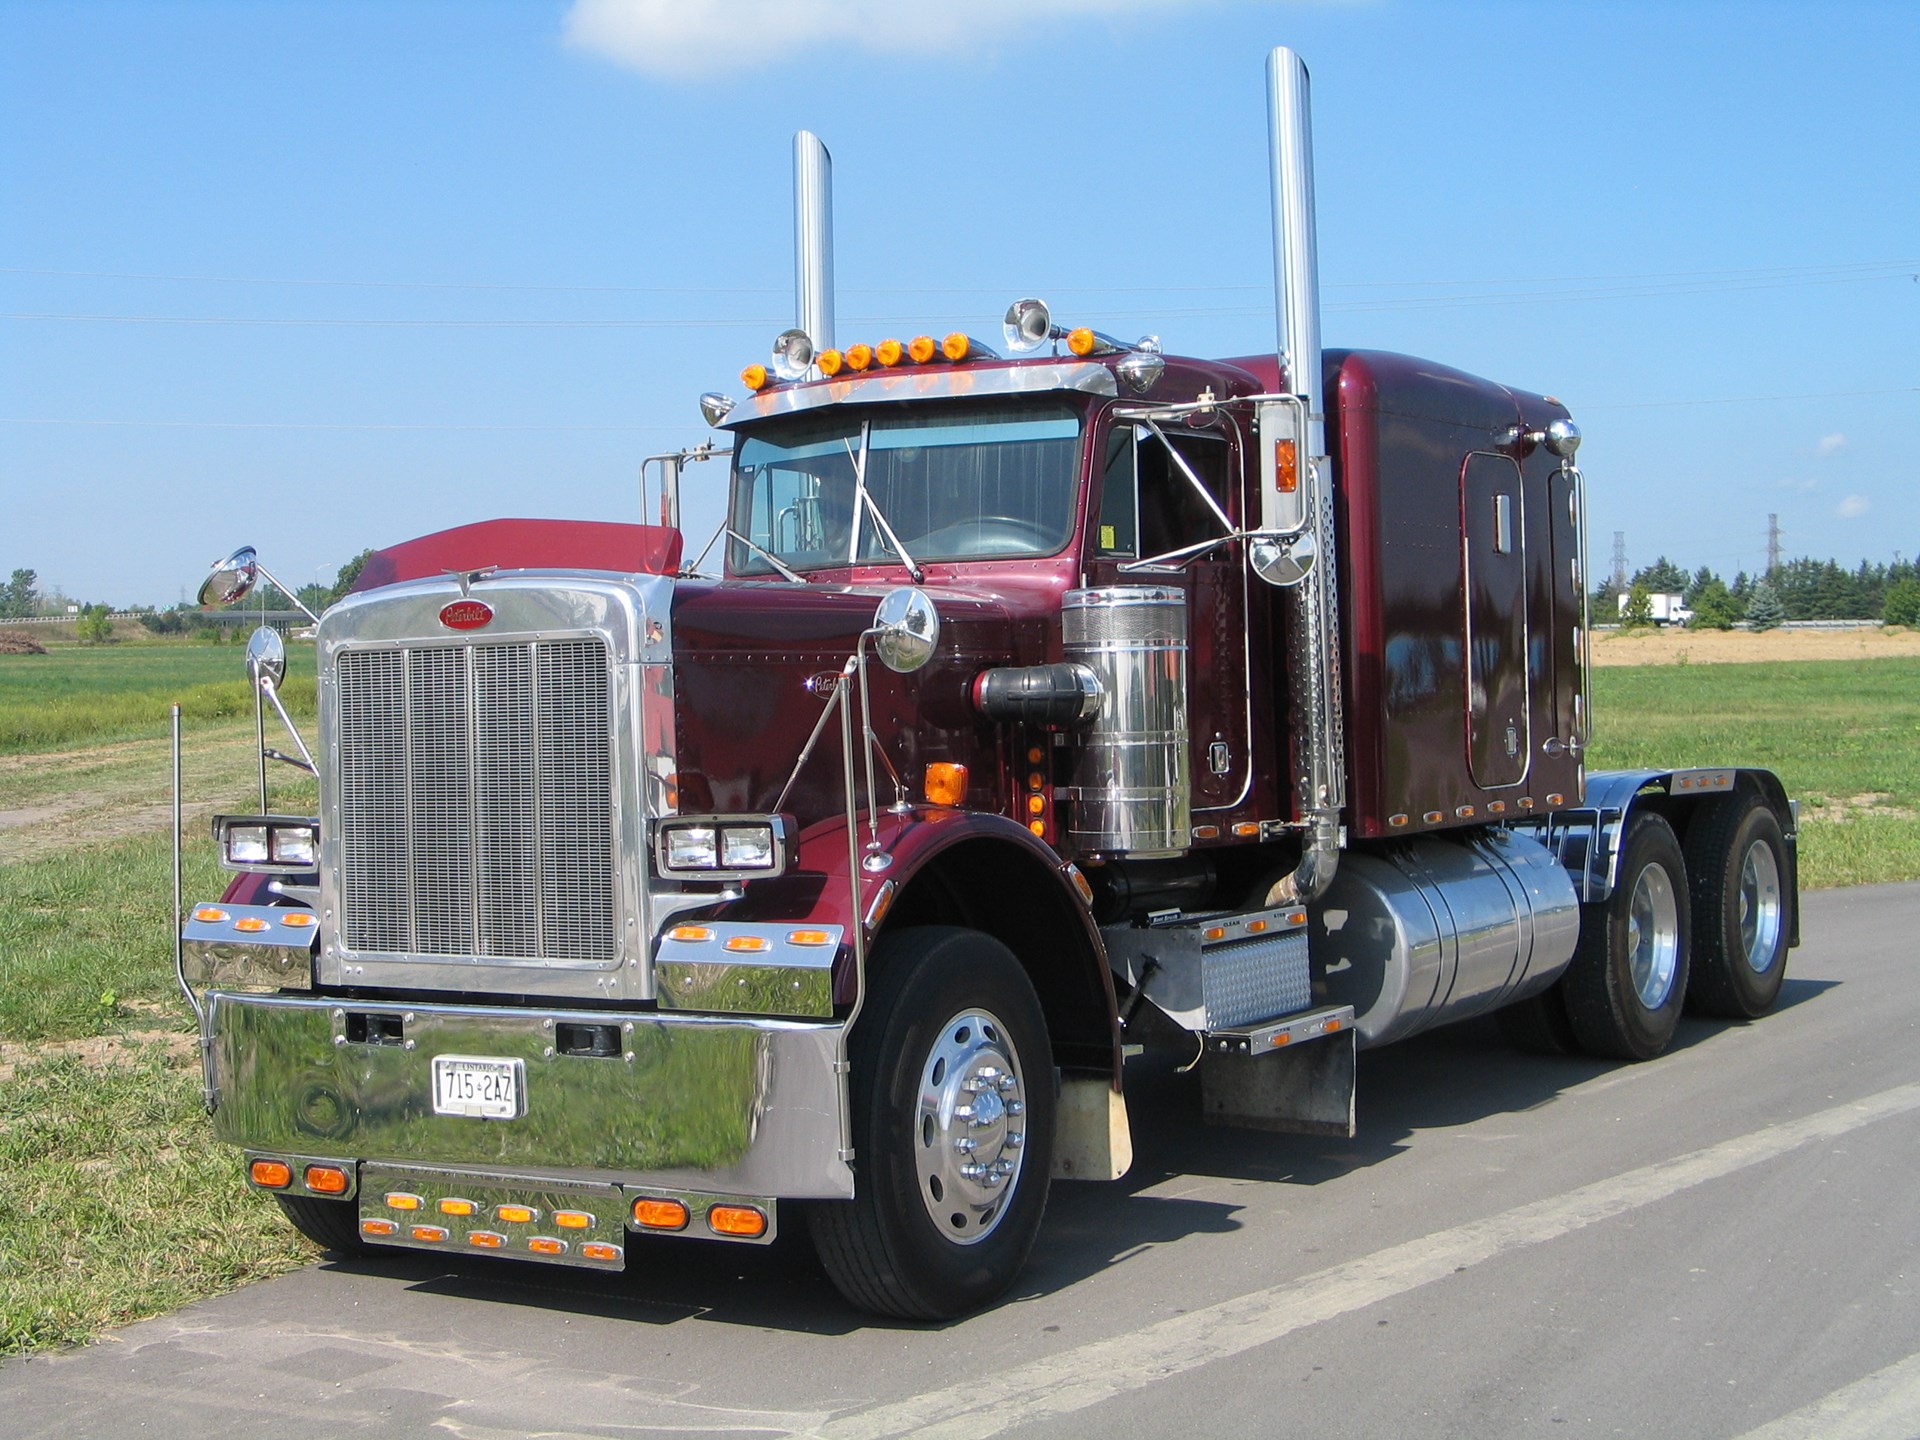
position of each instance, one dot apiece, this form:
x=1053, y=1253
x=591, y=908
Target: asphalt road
x=1719, y=1244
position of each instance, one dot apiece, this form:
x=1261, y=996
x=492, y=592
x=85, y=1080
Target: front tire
x=1628, y=980
x=953, y=1115
x=1742, y=915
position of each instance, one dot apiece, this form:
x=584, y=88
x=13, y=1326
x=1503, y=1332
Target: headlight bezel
x=273, y=844
x=680, y=841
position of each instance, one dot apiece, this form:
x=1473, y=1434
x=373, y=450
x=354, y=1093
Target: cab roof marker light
x=754, y=377
x=921, y=349
x=859, y=357
x=889, y=352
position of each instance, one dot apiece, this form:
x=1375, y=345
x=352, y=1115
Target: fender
x=904, y=864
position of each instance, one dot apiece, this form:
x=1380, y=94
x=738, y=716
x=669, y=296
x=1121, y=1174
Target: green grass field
x=118, y=1204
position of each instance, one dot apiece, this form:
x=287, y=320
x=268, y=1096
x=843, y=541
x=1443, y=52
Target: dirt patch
x=98, y=1051
x=1732, y=647
x=1815, y=806
x=18, y=642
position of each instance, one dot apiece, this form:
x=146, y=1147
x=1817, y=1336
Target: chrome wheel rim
x=970, y=1127
x=1653, y=937
x=1760, y=908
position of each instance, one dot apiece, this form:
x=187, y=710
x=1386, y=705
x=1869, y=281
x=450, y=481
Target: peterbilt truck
x=1030, y=711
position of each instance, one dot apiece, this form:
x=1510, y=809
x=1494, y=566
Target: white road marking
x=1085, y=1376
x=1883, y=1406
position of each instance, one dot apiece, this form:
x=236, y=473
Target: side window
x=1171, y=514
x=1119, y=530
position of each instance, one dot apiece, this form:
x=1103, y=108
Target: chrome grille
x=475, y=792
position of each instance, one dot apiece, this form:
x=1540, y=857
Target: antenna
x=1620, y=561
x=1773, y=544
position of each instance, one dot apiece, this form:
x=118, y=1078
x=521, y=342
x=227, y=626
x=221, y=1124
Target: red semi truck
x=1047, y=706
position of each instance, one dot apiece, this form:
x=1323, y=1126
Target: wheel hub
x=1760, y=907
x=1653, y=937
x=972, y=1126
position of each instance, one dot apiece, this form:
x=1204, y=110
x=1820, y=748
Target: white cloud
x=1830, y=445
x=679, y=39
x=1852, y=508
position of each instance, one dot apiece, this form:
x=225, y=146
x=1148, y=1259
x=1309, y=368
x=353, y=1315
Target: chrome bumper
x=688, y=1102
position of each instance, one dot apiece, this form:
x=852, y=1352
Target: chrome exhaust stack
x=813, y=239
x=1313, y=628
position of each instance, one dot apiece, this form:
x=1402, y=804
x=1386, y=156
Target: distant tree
x=21, y=597
x=1639, y=608
x=316, y=597
x=1902, y=605
x=1702, y=578
x=1741, y=589
x=349, y=573
x=1764, y=610
x=1714, y=608
x=1663, y=577
x=95, y=625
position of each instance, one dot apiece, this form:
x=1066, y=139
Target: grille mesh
x=476, y=812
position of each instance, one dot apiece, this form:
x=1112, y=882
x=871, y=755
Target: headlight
x=280, y=844
x=723, y=847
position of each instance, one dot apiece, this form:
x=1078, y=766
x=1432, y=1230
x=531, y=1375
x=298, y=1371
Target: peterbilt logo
x=466, y=614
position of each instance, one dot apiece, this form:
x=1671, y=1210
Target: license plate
x=479, y=1086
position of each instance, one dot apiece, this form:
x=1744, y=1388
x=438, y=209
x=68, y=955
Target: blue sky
x=319, y=276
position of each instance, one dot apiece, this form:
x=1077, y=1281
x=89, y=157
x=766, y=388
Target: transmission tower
x=1773, y=543
x=1620, y=561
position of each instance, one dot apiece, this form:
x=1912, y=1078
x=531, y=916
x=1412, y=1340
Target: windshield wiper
x=861, y=497
x=693, y=571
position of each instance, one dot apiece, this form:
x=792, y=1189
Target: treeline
x=1800, y=589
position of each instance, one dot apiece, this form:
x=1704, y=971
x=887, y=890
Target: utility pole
x=1620, y=561
x=1773, y=544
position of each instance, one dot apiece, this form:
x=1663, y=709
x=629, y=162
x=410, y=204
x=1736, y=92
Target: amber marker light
x=946, y=783
x=250, y=924
x=744, y=1222
x=659, y=1214
x=599, y=1250
x=692, y=934
x=748, y=944
x=487, y=1239
x=1433, y=817
x=270, y=1174
x=1246, y=829
x=1396, y=821
x=573, y=1219
x=831, y=362
x=1556, y=799
x=809, y=937
x=1286, y=467
x=326, y=1180
x=1038, y=827
x=1296, y=917
x=1256, y=927
x=400, y=1200
x=956, y=346
x=379, y=1227
x=889, y=352
x=210, y=914
x=428, y=1234
x=859, y=357
x=1080, y=341
x=1037, y=804
x=1215, y=932
x=546, y=1245
x=754, y=377
x=300, y=920
x=515, y=1214
x=458, y=1207
x=1206, y=832
x=921, y=349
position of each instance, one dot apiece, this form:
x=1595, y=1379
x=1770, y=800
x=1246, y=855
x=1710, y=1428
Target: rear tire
x=331, y=1224
x=1628, y=980
x=953, y=1113
x=1539, y=1025
x=1742, y=909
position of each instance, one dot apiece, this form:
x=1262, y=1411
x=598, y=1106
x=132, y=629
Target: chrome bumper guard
x=638, y=1099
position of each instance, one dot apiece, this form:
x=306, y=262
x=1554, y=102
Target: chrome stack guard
x=702, y=1103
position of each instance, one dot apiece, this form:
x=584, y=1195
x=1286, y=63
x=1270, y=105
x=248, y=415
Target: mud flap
x=1091, y=1138
x=1302, y=1090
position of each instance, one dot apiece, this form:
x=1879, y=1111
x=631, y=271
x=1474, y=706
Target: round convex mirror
x=267, y=656
x=231, y=580
x=906, y=629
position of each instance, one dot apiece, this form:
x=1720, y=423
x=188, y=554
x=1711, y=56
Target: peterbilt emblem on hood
x=821, y=685
x=466, y=614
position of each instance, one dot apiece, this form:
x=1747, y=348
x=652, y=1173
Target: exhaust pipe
x=813, y=239
x=1313, y=629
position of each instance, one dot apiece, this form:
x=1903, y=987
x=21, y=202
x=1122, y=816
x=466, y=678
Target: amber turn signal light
x=660, y=1214
x=754, y=377
x=946, y=783
x=1080, y=341
x=1286, y=467
x=326, y=1180
x=271, y=1174
x=743, y=1222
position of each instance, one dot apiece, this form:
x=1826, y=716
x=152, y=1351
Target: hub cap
x=1760, y=908
x=972, y=1127
x=1653, y=937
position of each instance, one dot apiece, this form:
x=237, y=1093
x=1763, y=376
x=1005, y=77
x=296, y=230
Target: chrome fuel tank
x=1131, y=792
x=1432, y=931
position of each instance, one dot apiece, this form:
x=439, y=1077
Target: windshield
x=955, y=483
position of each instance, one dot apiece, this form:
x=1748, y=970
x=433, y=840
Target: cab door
x=1148, y=506
x=1493, y=532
